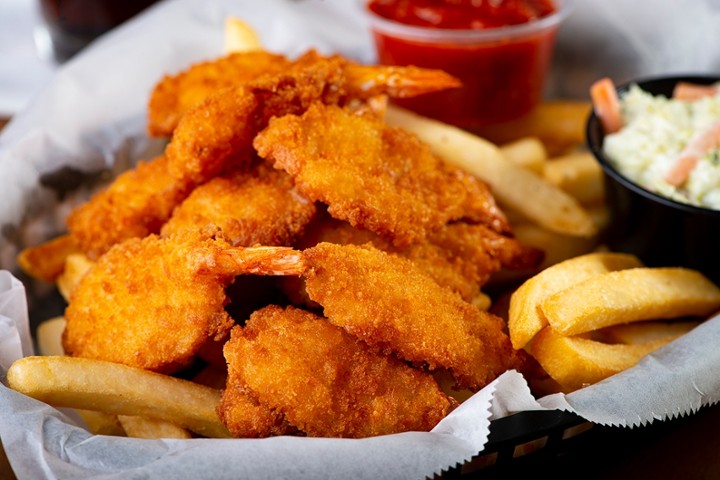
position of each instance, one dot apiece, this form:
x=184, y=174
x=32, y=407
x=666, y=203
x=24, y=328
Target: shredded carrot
x=606, y=104
x=689, y=157
x=688, y=91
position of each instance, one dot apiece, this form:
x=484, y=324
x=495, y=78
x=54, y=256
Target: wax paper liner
x=91, y=119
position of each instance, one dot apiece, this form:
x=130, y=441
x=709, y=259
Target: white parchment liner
x=92, y=117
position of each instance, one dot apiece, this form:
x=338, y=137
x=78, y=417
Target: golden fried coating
x=389, y=303
x=47, y=260
x=219, y=131
x=176, y=94
x=326, y=382
x=245, y=417
x=136, y=204
x=256, y=207
x=459, y=256
x=376, y=177
x=154, y=302
x=149, y=303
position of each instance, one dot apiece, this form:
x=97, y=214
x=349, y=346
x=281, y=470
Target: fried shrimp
x=376, y=177
x=215, y=136
x=220, y=130
x=389, y=303
x=260, y=206
x=176, y=94
x=245, y=417
x=458, y=256
x=154, y=302
x=326, y=382
x=136, y=204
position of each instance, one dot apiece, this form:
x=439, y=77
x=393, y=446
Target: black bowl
x=660, y=231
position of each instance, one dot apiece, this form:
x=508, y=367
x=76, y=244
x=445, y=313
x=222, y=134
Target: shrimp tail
x=263, y=260
x=398, y=82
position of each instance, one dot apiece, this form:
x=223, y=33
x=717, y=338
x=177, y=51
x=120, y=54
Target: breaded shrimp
x=386, y=301
x=326, y=382
x=376, y=177
x=215, y=137
x=220, y=130
x=260, y=206
x=245, y=417
x=175, y=94
x=459, y=256
x=136, y=204
x=154, y=302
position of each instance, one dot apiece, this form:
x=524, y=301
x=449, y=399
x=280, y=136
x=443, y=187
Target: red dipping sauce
x=500, y=49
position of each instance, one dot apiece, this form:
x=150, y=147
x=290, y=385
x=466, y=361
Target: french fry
x=575, y=362
x=559, y=124
x=528, y=152
x=525, y=319
x=101, y=423
x=49, y=336
x=141, y=427
x=630, y=295
x=47, y=260
x=49, y=341
x=118, y=389
x=557, y=247
x=240, y=37
x=578, y=174
x=76, y=265
x=600, y=215
x=644, y=332
x=538, y=199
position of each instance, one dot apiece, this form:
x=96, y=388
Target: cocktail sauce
x=491, y=46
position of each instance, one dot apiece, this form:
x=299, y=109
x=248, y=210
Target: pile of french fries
x=584, y=315
x=592, y=316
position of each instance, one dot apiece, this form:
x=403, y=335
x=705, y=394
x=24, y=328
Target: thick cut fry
x=528, y=152
x=47, y=260
x=575, y=362
x=578, y=174
x=525, y=318
x=631, y=295
x=644, y=332
x=240, y=37
x=118, y=389
x=538, y=199
x=141, y=427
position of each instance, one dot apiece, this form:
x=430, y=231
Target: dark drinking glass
x=72, y=24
